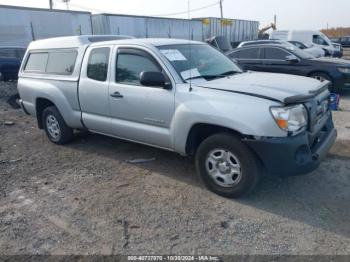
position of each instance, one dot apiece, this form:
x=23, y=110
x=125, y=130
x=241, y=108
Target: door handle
x=117, y=95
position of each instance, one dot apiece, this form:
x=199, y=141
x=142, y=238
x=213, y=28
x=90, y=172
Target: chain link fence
x=8, y=89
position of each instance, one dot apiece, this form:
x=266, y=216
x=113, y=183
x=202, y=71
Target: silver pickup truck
x=181, y=96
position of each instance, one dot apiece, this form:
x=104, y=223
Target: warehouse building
x=198, y=29
x=20, y=25
x=234, y=30
x=146, y=27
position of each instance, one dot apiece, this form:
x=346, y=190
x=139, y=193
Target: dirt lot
x=84, y=198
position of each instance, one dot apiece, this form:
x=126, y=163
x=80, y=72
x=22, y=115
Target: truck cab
x=181, y=96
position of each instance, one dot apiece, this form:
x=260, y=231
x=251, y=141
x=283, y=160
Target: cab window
x=319, y=40
x=131, y=63
x=97, y=68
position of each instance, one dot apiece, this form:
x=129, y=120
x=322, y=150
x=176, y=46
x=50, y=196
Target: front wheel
x=227, y=166
x=55, y=127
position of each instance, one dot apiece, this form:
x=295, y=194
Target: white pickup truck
x=180, y=96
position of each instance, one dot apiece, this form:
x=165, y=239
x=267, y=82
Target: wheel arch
x=200, y=131
x=320, y=71
x=40, y=104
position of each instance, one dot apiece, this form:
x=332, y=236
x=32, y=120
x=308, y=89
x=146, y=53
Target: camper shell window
x=53, y=62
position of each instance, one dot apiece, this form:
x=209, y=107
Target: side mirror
x=291, y=59
x=152, y=79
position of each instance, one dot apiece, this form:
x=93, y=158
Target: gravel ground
x=85, y=198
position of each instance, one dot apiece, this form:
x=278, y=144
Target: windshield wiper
x=211, y=77
x=228, y=73
x=204, y=76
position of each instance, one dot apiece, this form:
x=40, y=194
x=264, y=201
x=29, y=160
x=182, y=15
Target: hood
x=334, y=61
x=278, y=87
x=315, y=51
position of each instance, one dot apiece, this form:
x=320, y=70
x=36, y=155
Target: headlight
x=291, y=119
x=344, y=70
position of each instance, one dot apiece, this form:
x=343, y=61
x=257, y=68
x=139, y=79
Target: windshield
x=198, y=61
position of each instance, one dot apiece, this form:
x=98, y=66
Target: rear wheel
x=55, y=127
x=227, y=166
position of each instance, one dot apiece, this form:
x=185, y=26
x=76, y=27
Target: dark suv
x=345, y=41
x=10, y=62
x=280, y=59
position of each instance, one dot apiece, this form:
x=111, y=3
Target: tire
x=244, y=171
x=322, y=77
x=55, y=127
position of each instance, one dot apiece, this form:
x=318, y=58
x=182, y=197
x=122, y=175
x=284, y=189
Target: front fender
x=244, y=114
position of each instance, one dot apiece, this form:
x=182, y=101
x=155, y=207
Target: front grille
x=322, y=109
x=319, y=113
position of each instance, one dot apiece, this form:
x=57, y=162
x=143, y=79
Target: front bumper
x=296, y=155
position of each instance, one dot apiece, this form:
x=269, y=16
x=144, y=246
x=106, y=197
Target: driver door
x=275, y=60
x=139, y=113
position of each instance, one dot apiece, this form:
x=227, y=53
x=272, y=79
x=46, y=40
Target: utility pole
x=221, y=12
x=67, y=3
x=51, y=4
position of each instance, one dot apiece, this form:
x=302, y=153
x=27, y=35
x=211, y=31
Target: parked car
x=281, y=59
x=10, y=62
x=182, y=96
x=345, y=41
x=306, y=36
x=338, y=50
x=335, y=39
x=313, y=50
x=309, y=48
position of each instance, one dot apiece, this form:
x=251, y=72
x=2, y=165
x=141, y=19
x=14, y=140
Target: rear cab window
x=97, y=68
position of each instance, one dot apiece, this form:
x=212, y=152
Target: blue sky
x=291, y=14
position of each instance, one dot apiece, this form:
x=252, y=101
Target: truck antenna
x=189, y=39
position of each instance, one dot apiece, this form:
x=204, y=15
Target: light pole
x=51, y=4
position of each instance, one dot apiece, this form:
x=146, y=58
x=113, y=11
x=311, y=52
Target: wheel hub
x=223, y=167
x=53, y=126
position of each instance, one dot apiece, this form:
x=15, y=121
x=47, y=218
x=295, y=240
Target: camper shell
x=75, y=44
